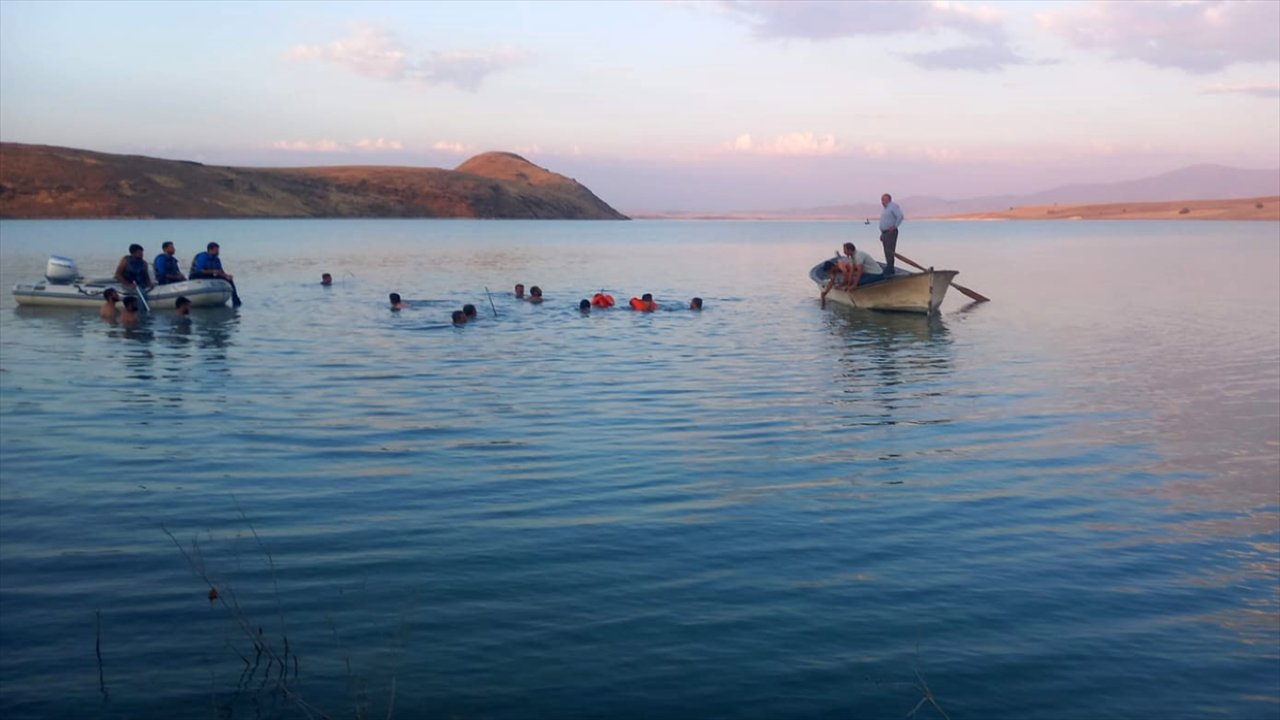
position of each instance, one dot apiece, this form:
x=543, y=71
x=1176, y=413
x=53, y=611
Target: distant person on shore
x=109, y=299
x=535, y=294
x=644, y=303
x=182, y=306
x=459, y=318
x=584, y=307
x=469, y=311
x=326, y=279
x=167, y=270
x=396, y=303
x=129, y=315
x=519, y=291
x=695, y=304
x=132, y=271
x=890, y=218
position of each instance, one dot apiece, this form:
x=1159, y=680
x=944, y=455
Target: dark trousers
x=889, y=238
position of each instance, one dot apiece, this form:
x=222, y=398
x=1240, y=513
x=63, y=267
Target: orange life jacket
x=601, y=300
x=641, y=305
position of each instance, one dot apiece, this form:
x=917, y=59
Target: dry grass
x=1257, y=208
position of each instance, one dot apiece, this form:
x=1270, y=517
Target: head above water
x=110, y=295
x=326, y=279
x=395, y=298
x=131, y=303
x=585, y=305
x=469, y=310
x=695, y=304
x=182, y=305
x=459, y=317
x=647, y=297
x=519, y=290
x=535, y=291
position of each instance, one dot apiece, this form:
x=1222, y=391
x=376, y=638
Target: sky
x=710, y=106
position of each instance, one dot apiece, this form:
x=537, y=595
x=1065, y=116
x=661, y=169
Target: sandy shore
x=1259, y=208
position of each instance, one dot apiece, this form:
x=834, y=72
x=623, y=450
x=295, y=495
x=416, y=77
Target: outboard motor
x=60, y=270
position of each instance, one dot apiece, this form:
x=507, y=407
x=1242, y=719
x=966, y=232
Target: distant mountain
x=41, y=181
x=1199, y=182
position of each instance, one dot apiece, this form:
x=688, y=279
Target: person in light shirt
x=890, y=218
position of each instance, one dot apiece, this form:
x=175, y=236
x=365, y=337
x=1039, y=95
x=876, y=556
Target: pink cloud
x=325, y=145
x=987, y=48
x=1198, y=37
x=1262, y=90
x=797, y=143
x=377, y=53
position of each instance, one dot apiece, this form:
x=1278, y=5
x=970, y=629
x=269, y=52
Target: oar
x=971, y=293
x=142, y=298
x=495, y=310
x=235, y=297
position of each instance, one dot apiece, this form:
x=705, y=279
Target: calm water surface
x=1061, y=504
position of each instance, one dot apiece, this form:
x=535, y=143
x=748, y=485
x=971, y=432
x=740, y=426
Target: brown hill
x=41, y=181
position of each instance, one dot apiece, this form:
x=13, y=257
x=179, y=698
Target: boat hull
x=88, y=293
x=904, y=292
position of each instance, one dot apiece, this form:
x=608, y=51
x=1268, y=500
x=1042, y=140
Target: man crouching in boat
x=855, y=269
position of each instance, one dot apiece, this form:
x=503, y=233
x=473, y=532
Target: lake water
x=1064, y=503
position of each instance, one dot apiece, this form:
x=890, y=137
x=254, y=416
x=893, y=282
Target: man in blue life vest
x=132, y=271
x=207, y=265
x=167, y=270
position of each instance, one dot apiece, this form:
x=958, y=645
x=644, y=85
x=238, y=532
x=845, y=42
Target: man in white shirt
x=890, y=218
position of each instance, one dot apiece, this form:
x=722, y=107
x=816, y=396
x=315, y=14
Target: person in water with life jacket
x=602, y=299
x=132, y=270
x=644, y=303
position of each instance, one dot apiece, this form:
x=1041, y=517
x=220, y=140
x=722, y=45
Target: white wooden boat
x=905, y=291
x=64, y=287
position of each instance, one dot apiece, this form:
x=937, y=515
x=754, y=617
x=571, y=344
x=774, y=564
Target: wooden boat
x=63, y=286
x=905, y=291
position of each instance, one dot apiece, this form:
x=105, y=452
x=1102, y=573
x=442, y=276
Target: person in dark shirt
x=132, y=271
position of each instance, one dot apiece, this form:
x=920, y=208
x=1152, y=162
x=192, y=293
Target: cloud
x=1198, y=37
x=987, y=49
x=454, y=147
x=379, y=144
x=798, y=143
x=325, y=145
x=333, y=146
x=1262, y=90
x=377, y=53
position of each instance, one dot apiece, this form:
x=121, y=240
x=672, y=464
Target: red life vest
x=641, y=305
x=601, y=300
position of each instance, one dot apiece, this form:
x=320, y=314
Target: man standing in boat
x=167, y=270
x=890, y=218
x=132, y=271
